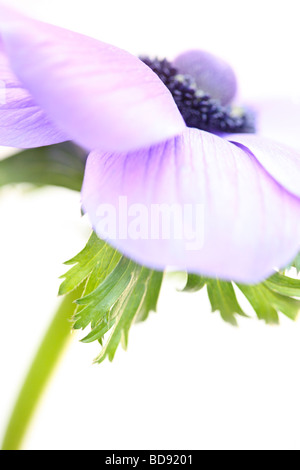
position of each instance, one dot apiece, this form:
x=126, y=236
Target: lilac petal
x=102, y=96
x=22, y=123
x=281, y=161
x=247, y=224
x=278, y=119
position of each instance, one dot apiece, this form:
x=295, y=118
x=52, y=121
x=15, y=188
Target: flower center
x=199, y=108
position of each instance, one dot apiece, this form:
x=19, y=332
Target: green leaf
x=223, y=299
x=97, y=305
x=118, y=293
x=56, y=165
x=125, y=313
x=221, y=295
x=151, y=298
x=284, y=285
x=258, y=297
x=297, y=263
x=194, y=283
x=92, y=264
x=270, y=298
x=288, y=306
x=268, y=303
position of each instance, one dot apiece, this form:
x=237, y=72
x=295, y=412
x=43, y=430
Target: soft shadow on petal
x=281, y=161
x=23, y=124
x=247, y=223
x=100, y=95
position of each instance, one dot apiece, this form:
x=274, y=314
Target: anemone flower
x=160, y=135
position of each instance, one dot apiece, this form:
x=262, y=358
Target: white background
x=188, y=380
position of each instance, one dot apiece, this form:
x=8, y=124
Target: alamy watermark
x=3, y=96
x=123, y=221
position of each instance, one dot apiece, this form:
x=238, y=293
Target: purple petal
x=247, y=224
x=102, y=96
x=282, y=162
x=278, y=118
x=22, y=123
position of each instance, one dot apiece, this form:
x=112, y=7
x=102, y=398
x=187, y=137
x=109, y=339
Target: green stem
x=48, y=354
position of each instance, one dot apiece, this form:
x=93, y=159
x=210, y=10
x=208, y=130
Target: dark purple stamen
x=197, y=108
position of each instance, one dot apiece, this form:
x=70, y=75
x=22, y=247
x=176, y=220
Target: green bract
x=119, y=292
x=56, y=165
